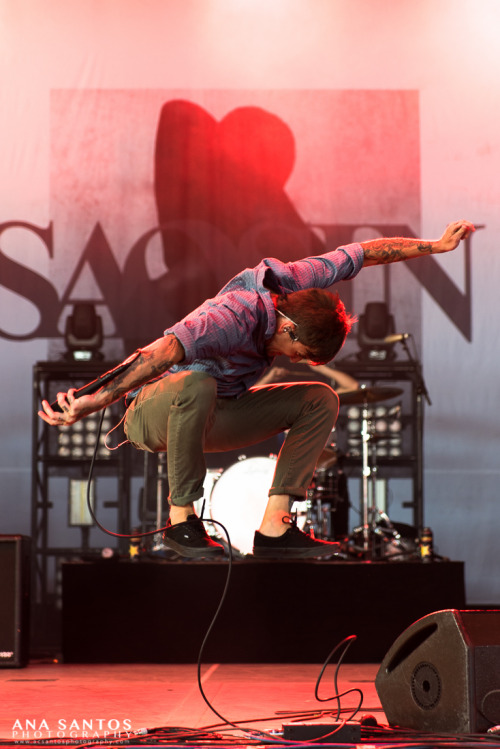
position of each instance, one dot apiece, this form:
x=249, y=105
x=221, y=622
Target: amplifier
x=15, y=563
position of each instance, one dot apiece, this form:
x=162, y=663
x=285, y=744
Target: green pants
x=181, y=414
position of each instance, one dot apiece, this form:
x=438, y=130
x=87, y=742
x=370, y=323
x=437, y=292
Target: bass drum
x=239, y=498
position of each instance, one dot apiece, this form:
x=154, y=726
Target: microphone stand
x=421, y=387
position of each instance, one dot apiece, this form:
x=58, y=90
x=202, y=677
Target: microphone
x=396, y=337
x=93, y=386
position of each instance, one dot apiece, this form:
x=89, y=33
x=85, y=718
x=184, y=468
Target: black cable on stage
x=225, y=720
x=300, y=715
x=89, y=502
x=159, y=530
x=346, y=642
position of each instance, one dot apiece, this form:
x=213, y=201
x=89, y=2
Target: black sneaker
x=293, y=544
x=190, y=539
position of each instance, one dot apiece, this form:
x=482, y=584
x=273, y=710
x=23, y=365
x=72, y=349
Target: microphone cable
x=154, y=532
x=89, y=500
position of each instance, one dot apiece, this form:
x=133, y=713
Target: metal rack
x=55, y=464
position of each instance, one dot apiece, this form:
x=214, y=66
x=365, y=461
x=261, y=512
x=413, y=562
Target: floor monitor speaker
x=443, y=673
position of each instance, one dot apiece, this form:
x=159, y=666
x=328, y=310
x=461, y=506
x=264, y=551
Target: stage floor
x=257, y=705
x=52, y=697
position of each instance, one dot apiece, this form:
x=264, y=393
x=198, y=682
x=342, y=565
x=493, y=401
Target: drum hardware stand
x=369, y=527
x=323, y=511
x=160, y=491
x=366, y=472
x=322, y=495
x=369, y=480
x=318, y=523
x=159, y=481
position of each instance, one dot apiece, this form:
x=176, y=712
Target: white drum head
x=239, y=498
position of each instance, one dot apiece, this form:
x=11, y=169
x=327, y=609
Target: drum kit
x=236, y=497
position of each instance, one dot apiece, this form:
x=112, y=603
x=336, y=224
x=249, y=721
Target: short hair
x=321, y=319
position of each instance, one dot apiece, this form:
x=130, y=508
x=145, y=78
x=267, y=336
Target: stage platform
x=274, y=612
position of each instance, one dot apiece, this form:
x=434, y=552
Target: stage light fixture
x=374, y=325
x=77, y=441
x=385, y=428
x=83, y=333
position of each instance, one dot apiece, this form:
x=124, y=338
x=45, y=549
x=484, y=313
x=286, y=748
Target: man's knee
x=323, y=396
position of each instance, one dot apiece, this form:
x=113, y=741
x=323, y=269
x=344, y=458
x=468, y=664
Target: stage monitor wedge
x=442, y=674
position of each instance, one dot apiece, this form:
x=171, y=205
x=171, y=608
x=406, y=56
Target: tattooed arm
x=147, y=364
x=379, y=251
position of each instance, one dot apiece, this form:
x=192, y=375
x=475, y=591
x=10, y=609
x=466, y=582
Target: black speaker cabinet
x=443, y=673
x=14, y=601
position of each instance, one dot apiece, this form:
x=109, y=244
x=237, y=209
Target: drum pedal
x=327, y=733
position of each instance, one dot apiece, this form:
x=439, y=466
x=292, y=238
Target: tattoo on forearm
x=146, y=367
x=393, y=250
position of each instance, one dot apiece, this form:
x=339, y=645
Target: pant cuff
x=292, y=491
x=183, y=501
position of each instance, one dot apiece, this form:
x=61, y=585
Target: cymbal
x=368, y=395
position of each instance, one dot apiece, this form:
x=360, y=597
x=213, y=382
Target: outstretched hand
x=72, y=409
x=453, y=235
